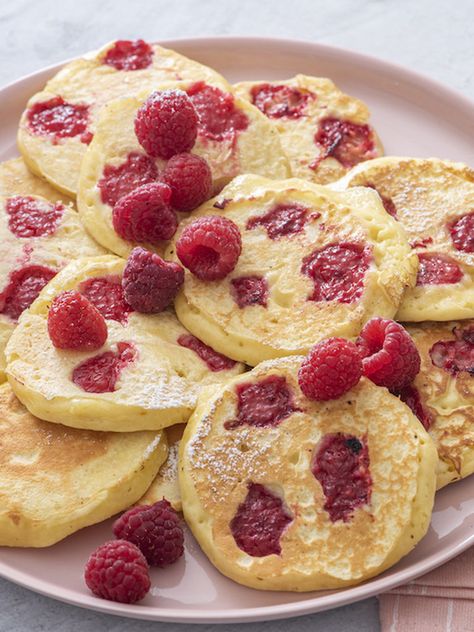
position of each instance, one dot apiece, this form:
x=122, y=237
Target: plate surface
x=414, y=116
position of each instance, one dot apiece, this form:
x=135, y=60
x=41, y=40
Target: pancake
x=59, y=122
x=434, y=201
x=146, y=378
x=56, y=480
x=275, y=302
x=248, y=143
x=17, y=179
x=268, y=498
x=443, y=394
x=324, y=132
x=37, y=238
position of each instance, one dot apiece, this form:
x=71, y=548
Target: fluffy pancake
x=253, y=147
x=271, y=503
x=443, y=394
x=55, y=480
x=156, y=378
x=74, y=97
x=324, y=132
x=434, y=201
x=296, y=238
x=17, y=179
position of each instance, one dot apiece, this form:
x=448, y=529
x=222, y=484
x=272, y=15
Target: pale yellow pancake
x=17, y=179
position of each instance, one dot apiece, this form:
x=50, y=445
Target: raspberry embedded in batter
x=58, y=119
x=129, y=55
x=437, y=269
x=219, y=119
x=455, y=355
x=280, y=221
x=263, y=404
x=100, y=373
x=387, y=202
x=215, y=361
x=338, y=271
x=260, y=522
x=462, y=232
x=411, y=396
x=23, y=287
x=249, y=290
x=280, y=101
x=341, y=465
x=29, y=217
x=117, y=182
x=347, y=142
x=106, y=294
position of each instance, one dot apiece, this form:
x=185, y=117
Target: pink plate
x=414, y=116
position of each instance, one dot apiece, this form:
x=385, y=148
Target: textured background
x=433, y=37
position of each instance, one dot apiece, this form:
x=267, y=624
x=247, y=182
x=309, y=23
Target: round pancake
x=157, y=378
x=56, y=480
x=17, y=179
x=21, y=251
x=351, y=481
x=301, y=106
x=428, y=196
x=256, y=149
x=87, y=84
x=284, y=224
x=443, y=396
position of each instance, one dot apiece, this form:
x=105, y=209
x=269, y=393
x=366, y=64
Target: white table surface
x=435, y=37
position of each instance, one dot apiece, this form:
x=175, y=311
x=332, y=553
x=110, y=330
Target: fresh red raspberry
x=210, y=247
x=166, y=124
x=145, y=215
x=331, y=368
x=389, y=355
x=74, y=323
x=190, y=180
x=150, y=284
x=155, y=529
x=118, y=571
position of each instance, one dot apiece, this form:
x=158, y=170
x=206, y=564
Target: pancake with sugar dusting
x=283, y=493
x=147, y=376
x=324, y=132
x=56, y=480
x=314, y=264
x=434, y=201
x=442, y=395
x=17, y=179
x=233, y=136
x=60, y=121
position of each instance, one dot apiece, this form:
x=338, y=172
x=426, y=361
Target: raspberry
x=280, y=221
x=59, y=119
x=388, y=203
x=437, y=269
x=347, y=142
x=219, y=118
x=23, y=287
x=106, y=293
x=100, y=373
x=462, y=232
x=118, y=571
x=331, y=368
x=155, y=529
x=190, y=180
x=280, y=101
x=215, y=361
x=29, y=217
x=455, y=355
x=128, y=55
x=411, y=396
x=150, y=284
x=166, y=124
x=118, y=181
x=144, y=215
x=210, y=247
x=389, y=355
x=74, y=323
x=249, y=290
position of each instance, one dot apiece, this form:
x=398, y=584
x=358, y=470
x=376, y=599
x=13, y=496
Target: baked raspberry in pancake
x=303, y=495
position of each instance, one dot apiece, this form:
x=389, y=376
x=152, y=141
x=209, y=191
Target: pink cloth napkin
x=442, y=601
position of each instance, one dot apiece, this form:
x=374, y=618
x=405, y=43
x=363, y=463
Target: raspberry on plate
x=210, y=247
x=150, y=283
x=118, y=571
x=74, y=323
x=389, y=355
x=330, y=369
x=155, y=529
x=190, y=180
x=166, y=124
x=145, y=215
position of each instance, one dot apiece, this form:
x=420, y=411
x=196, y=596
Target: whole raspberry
x=74, y=323
x=210, y=247
x=166, y=124
x=331, y=368
x=118, y=571
x=155, y=529
x=389, y=355
x=150, y=284
x=145, y=215
x=190, y=180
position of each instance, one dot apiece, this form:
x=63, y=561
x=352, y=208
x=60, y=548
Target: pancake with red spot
x=314, y=264
x=284, y=493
